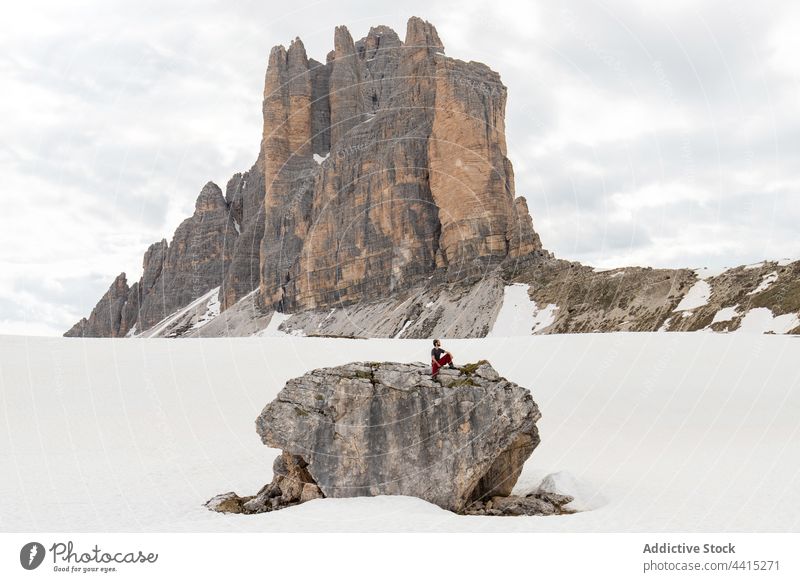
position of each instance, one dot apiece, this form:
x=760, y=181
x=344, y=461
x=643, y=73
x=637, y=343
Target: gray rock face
x=366, y=429
x=196, y=258
x=174, y=275
x=417, y=182
x=464, y=309
x=106, y=319
x=245, y=198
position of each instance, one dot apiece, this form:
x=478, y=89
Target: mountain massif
x=382, y=204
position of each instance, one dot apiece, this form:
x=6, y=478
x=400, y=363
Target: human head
x=436, y=343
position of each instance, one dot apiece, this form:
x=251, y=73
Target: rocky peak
x=421, y=33
x=379, y=38
x=342, y=42
x=173, y=275
x=297, y=66
x=153, y=262
x=195, y=260
x=106, y=318
x=210, y=199
x=277, y=59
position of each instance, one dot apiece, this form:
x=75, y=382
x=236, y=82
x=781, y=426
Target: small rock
x=585, y=495
x=486, y=371
x=554, y=498
x=310, y=491
x=227, y=503
x=515, y=505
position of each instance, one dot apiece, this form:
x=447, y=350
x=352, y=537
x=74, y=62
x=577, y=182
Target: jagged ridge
x=382, y=204
x=415, y=184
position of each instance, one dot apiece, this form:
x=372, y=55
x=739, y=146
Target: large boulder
x=367, y=428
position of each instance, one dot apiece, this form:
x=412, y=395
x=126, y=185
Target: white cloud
x=784, y=45
x=657, y=195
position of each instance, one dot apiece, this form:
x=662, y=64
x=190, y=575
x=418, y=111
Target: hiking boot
x=452, y=367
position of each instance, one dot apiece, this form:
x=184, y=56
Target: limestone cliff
x=106, y=319
x=173, y=275
x=379, y=170
x=245, y=198
x=416, y=182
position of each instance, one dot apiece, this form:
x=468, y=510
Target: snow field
x=658, y=432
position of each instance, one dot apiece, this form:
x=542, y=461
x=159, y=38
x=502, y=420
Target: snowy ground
x=661, y=432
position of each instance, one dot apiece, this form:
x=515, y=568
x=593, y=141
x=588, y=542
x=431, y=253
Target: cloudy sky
x=640, y=134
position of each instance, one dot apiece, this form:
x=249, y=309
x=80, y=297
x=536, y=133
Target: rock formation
x=366, y=429
x=245, y=198
x=539, y=503
x=416, y=182
x=379, y=170
x=175, y=274
x=106, y=319
x=382, y=204
x=195, y=260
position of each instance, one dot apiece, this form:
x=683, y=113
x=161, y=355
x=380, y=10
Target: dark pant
x=436, y=365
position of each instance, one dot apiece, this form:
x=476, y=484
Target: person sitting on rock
x=440, y=358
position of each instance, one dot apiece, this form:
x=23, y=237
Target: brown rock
x=106, y=318
x=416, y=186
x=289, y=170
x=195, y=261
x=471, y=179
x=310, y=491
x=417, y=179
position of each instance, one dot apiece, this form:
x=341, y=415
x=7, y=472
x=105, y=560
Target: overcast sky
x=660, y=135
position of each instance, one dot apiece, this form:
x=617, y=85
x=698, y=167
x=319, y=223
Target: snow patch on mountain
x=165, y=325
x=757, y=265
x=762, y=320
x=545, y=317
x=520, y=315
x=696, y=297
x=406, y=325
x=212, y=310
x=272, y=329
x=766, y=282
x=725, y=314
x=709, y=272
